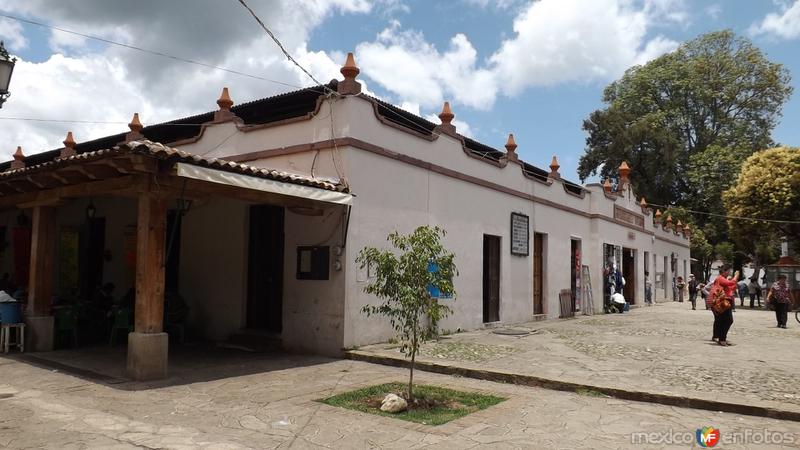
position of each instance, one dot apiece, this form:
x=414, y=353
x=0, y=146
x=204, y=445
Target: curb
x=557, y=385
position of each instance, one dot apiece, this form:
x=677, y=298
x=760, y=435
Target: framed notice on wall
x=520, y=234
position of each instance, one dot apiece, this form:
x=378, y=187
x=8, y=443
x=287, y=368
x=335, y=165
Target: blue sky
x=536, y=69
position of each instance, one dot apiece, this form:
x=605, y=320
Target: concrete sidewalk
x=661, y=354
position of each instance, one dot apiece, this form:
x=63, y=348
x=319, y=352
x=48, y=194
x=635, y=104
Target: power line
x=96, y=122
x=791, y=222
x=144, y=50
x=278, y=43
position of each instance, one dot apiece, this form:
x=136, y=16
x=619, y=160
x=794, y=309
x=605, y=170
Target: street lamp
x=6, y=68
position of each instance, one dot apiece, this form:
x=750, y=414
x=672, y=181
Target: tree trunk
x=411, y=373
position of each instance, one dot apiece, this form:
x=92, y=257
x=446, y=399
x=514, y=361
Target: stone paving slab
x=274, y=407
x=663, y=350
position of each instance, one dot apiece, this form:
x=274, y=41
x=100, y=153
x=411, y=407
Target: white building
x=275, y=253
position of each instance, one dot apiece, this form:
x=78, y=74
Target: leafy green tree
x=402, y=279
x=767, y=188
x=701, y=249
x=717, y=89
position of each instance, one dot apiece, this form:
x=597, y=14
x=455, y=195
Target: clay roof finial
x=136, y=129
x=554, y=166
x=511, y=148
x=446, y=115
x=349, y=86
x=135, y=125
x=19, y=160
x=349, y=69
x=643, y=203
x=224, y=102
x=658, y=216
x=624, y=170
x=69, y=146
x=607, y=186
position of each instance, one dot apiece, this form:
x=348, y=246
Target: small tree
x=402, y=280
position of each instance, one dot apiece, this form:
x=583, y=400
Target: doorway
x=92, y=244
x=575, y=274
x=629, y=272
x=265, y=268
x=491, y=278
x=538, y=273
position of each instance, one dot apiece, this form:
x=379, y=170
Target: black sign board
x=520, y=234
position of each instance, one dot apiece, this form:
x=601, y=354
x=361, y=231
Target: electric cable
x=145, y=50
x=724, y=216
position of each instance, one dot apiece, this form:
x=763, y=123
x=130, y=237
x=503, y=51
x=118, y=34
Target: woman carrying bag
x=780, y=299
x=721, y=301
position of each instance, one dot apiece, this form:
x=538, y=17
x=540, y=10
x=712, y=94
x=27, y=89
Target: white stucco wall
x=313, y=310
x=213, y=267
x=395, y=195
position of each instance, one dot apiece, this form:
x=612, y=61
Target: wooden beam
x=79, y=169
x=111, y=186
x=150, y=236
x=43, y=255
x=102, y=171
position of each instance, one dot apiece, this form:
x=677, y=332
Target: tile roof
x=165, y=153
x=272, y=109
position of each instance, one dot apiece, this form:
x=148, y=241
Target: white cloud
x=555, y=41
x=11, y=33
x=714, y=11
x=560, y=41
x=109, y=83
x=427, y=75
x=783, y=25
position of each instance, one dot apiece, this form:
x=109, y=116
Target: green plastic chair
x=122, y=321
x=67, y=322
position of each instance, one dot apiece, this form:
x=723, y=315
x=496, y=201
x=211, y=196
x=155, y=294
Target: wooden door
x=629, y=272
x=538, y=278
x=491, y=278
x=265, y=268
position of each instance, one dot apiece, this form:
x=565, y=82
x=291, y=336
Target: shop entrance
x=265, y=269
x=491, y=278
x=629, y=272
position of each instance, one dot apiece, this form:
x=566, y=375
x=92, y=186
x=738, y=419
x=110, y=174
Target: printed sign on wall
x=520, y=234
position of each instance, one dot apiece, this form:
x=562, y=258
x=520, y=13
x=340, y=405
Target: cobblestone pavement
x=268, y=402
x=661, y=349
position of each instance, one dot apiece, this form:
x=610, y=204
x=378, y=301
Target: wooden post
x=150, y=237
x=43, y=243
x=40, y=282
x=148, y=344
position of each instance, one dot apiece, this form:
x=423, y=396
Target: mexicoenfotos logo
x=707, y=436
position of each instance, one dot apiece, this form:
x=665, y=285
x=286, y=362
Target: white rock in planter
x=393, y=403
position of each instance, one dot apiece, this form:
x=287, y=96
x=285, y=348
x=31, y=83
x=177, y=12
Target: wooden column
x=148, y=345
x=43, y=253
x=150, y=249
x=40, y=283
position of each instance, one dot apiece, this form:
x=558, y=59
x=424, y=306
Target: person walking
x=754, y=290
x=692, y=291
x=680, y=286
x=723, y=318
x=780, y=298
x=648, y=289
x=741, y=290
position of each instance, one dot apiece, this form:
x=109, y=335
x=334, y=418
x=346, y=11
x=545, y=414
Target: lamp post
x=6, y=69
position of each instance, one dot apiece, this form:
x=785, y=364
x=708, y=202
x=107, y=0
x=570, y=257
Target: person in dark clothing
x=780, y=297
x=723, y=320
x=693, y=291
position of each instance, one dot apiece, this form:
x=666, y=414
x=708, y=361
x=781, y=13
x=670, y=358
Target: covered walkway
x=152, y=177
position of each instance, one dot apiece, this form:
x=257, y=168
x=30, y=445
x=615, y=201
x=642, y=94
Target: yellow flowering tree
x=768, y=188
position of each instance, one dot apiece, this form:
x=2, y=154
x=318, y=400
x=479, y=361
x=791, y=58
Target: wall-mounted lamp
x=91, y=210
